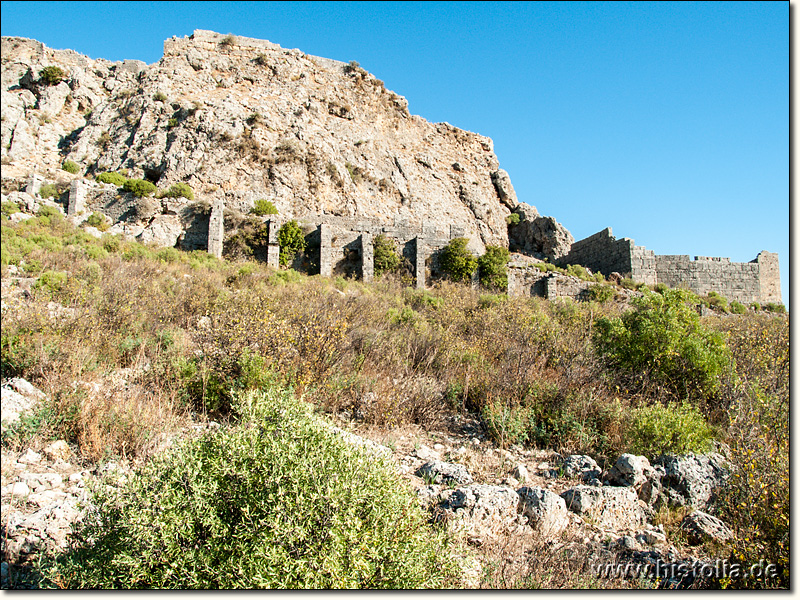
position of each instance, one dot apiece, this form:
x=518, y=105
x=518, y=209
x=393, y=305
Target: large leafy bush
x=492, y=268
x=281, y=501
x=291, y=241
x=662, y=341
x=457, y=261
x=386, y=258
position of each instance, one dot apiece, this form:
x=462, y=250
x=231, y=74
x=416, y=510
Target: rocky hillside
x=243, y=119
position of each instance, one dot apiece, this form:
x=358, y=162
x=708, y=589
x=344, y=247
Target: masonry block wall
x=756, y=281
x=602, y=253
x=769, y=276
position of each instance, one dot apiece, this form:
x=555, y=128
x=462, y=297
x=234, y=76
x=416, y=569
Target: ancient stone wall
x=769, y=276
x=602, y=253
x=704, y=274
x=756, y=281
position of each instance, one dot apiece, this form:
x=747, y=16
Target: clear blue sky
x=668, y=122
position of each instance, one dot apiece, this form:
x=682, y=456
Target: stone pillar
x=77, y=197
x=325, y=236
x=769, y=277
x=419, y=263
x=34, y=184
x=367, y=257
x=216, y=228
x=273, y=249
x=475, y=280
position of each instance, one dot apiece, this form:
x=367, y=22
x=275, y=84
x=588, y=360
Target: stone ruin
x=344, y=246
x=754, y=281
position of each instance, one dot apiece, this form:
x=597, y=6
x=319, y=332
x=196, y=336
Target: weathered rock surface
x=248, y=120
x=614, y=508
x=701, y=527
x=535, y=235
x=483, y=507
x=437, y=471
x=690, y=480
x=18, y=396
x=546, y=511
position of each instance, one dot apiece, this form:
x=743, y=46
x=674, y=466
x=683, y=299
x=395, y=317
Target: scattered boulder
x=483, y=507
x=546, y=511
x=614, y=508
x=58, y=450
x=520, y=473
x=438, y=471
x=700, y=527
x=690, y=480
x=582, y=466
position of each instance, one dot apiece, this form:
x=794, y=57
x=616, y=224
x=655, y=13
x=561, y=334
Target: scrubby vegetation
x=457, y=261
x=385, y=256
x=70, y=166
x=112, y=178
x=196, y=335
x=52, y=75
x=177, y=190
x=139, y=187
x=291, y=241
x=264, y=207
x=279, y=501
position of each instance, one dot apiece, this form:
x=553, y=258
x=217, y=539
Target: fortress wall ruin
x=756, y=281
x=602, y=253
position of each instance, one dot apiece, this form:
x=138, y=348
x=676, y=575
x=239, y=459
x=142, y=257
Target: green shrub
x=139, y=187
x=228, y=40
x=112, y=178
x=492, y=268
x=457, y=262
x=173, y=122
x=662, y=341
x=774, y=307
x=385, y=256
x=717, y=301
x=264, y=207
x=601, y=292
x=755, y=306
x=9, y=208
x=51, y=282
x=51, y=213
x=582, y=273
x=279, y=502
x=70, y=167
x=660, y=288
x=291, y=241
x=98, y=220
x=160, y=97
x=512, y=219
x=738, y=308
x=675, y=429
x=49, y=190
x=507, y=425
x=356, y=173
x=178, y=190
x=630, y=284
x=52, y=75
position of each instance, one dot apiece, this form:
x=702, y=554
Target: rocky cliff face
x=244, y=119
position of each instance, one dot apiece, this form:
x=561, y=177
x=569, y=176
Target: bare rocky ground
x=517, y=512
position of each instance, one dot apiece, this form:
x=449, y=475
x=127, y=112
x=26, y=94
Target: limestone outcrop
x=239, y=119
